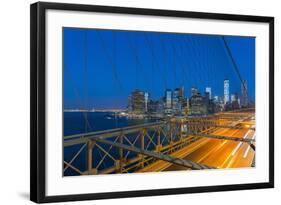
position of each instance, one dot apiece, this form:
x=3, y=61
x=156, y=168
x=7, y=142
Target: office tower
x=177, y=100
x=226, y=91
x=168, y=98
x=209, y=90
x=146, y=96
x=181, y=92
x=137, y=101
x=232, y=98
x=168, y=102
x=194, y=91
x=198, y=105
x=216, y=99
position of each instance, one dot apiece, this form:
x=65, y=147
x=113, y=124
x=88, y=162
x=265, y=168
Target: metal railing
x=128, y=149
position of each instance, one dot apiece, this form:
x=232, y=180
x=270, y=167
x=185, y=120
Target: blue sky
x=102, y=67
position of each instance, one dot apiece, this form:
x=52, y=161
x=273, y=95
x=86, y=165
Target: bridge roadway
x=213, y=152
x=216, y=145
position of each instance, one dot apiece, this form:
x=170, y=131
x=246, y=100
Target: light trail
x=240, y=143
x=248, y=148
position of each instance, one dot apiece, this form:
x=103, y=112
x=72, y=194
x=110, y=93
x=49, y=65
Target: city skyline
x=207, y=90
x=100, y=59
x=174, y=102
x=153, y=102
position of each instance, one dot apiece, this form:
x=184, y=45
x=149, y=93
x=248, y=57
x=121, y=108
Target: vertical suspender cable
x=86, y=78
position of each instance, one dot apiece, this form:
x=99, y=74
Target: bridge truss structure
x=130, y=149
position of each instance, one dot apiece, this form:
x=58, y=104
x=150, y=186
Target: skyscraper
x=178, y=95
x=209, y=90
x=181, y=92
x=198, y=105
x=194, y=91
x=226, y=91
x=146, y=96
x=232, y=98
x=168, y=98
x=234, y=102
x=168, y=101
x=137, y=102
x=182, y=99
x=175, y=100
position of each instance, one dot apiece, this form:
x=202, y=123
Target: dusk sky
x=102, y=67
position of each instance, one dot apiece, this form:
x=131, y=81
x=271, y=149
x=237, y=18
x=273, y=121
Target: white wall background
x=14, y=100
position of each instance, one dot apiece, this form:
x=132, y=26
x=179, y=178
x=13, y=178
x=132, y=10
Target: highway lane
x=244, y=154
x=221, y=157
x=199, y=151
x=223, y=153
x=162, y=165
x=213, y=152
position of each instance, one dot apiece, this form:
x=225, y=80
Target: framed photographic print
x=129, y=102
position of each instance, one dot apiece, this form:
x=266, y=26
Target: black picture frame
x=38, y=97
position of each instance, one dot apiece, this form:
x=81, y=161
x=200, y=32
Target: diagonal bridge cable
x=233, y=62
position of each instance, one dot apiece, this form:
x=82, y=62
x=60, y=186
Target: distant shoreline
x=95, y=110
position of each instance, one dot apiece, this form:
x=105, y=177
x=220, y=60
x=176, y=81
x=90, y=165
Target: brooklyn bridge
x=222, y=140
x=190, y=130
